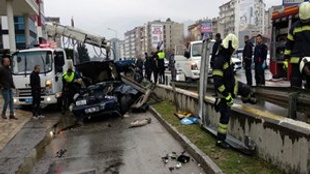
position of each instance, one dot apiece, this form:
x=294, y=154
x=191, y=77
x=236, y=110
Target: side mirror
x=187, y=54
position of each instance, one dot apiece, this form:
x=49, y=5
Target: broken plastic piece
x=178, y=166
x=183, y=158
x=140, y=122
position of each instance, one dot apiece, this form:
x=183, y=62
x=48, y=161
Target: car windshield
x=197, y=49
x=24, y=62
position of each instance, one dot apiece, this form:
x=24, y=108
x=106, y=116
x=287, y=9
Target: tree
x=82, y=51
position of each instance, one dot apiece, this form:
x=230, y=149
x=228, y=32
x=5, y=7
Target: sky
x=97, y=16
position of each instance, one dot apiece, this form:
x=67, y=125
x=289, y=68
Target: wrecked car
x=103, y=91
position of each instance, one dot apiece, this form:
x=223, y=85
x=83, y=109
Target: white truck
x=188, y=64
x=53, y=62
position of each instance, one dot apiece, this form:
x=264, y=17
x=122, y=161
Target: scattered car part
x=140, y=122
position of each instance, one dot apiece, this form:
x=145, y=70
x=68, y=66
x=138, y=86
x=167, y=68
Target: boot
x=222, y=144
x=4, y=117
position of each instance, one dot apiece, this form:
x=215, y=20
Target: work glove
x=229, y=100
x=264, y=65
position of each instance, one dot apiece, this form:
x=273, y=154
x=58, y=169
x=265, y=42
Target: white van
x=190, y=67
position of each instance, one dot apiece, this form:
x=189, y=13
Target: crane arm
x=78, y=35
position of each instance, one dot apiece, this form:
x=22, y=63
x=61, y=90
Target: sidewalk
x=9, y=128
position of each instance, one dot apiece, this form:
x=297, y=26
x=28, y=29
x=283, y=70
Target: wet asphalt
x=104, y=144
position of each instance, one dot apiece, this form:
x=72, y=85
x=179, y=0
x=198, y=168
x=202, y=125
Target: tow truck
x=53, y=62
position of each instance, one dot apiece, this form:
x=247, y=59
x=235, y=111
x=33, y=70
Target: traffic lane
x=107, y=145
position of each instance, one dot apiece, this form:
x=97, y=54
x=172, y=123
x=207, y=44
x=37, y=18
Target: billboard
x=292, y=2
x=247, y=14
x=157, y=35
x=205, y=27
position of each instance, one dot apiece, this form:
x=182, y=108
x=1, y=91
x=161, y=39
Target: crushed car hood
x=98, y=71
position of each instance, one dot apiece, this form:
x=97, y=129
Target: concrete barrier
x=281, y=141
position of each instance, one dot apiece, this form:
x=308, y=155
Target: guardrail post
x=292, y=108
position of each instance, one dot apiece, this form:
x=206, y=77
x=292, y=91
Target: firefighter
x=298, y=44
x=71, y=84
x=227, y=86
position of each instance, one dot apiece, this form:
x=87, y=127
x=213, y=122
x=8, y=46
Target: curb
x=206, y=162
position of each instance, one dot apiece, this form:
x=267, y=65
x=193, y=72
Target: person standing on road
x=171, y=66
x=260, y=55
x=298, y=45
x=247, y=59
x=155, y=66
x=147, y=66
x=215, y=47
x=161, y=66
x=227, y=86
x=35, y=83
x=6, y=86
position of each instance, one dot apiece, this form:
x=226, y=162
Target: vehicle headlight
x=194, y=66
x=49, y=83
x=81, y=102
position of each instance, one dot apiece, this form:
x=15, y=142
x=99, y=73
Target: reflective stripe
x=236, y=87
x=246, y=98
x=221, y=88
x=294, y=60
x=222, y=128
x=287, y=52
x=290, y=37
x=301, y=29
x=225, y=66
x=228, y=97
x=217, y=72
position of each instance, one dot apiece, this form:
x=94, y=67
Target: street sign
x=205, y=27
x=292, y=2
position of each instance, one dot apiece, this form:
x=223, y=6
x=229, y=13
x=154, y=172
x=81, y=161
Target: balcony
x=21, y=7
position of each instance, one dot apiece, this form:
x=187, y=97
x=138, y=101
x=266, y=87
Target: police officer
x=247, y=59
x=298, y=44
x=161, y=65
x=260, y=55
x=71, y=84
x=227, y=86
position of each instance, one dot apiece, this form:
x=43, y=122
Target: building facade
x=243, y=17
x=165, y=35
x=135, y=42
x=20, y=32
x=194, y=30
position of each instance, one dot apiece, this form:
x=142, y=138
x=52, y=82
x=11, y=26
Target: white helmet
x=234, y=41
x=304, y=11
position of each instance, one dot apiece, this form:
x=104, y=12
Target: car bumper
x=46, y=100
x=97, y=109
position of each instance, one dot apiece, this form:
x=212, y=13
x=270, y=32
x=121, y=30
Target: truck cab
x=189, y=63
x=52, y=61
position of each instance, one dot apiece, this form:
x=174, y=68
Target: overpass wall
x=281, y=141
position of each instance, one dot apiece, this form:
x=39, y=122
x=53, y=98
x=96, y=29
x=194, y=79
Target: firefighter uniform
x=298, y=44
x=227, y=87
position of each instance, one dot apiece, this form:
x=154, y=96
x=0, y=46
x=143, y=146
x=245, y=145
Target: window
x=20, y=38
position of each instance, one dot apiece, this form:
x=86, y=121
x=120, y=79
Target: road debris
x=140, y=122
x=61, y=152
x=174, y=161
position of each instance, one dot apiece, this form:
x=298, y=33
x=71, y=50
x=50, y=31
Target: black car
x=103, y=92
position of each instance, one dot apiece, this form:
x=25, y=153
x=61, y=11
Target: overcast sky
x=122, y=15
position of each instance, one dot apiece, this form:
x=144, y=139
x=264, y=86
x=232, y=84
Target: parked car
x=103, y=92
x=237, y=64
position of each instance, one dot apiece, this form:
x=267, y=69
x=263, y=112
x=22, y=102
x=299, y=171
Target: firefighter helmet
x=303, y=63
x=231, y=38
x=304, y=12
